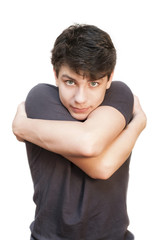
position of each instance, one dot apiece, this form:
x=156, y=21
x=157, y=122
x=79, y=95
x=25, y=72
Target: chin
x=80, y=117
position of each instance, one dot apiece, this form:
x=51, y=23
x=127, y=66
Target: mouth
x=80, y=110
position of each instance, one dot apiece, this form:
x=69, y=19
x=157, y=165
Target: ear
x=56, y=78
x=110, y=81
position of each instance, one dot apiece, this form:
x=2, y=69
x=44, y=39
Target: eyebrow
x=66, y=76
x=73, y=79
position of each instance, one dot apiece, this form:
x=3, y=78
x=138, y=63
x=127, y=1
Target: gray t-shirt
x=69, y=204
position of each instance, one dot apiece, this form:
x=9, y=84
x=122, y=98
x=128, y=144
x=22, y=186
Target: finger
x=21, y=109
x=20, y=139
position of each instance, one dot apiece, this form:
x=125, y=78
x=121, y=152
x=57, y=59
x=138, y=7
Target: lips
x=79, y=110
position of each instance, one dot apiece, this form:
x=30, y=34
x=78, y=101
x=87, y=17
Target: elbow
x=103, y=175
x=101, y=172
x=90, y=148
x=88, y=152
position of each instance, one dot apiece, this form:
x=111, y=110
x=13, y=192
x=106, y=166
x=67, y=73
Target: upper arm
x=102, y=126
x=121, y=98
x=106, y=122
x=43, y=102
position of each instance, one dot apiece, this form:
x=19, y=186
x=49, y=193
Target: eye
x=94, y=84
x=70, y=82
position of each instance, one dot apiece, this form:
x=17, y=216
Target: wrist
x=18, y=127
x=140, y=120
x=19, y=122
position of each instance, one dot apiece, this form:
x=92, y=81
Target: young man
x=79, y=138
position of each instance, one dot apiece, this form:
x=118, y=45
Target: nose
x=80, y=96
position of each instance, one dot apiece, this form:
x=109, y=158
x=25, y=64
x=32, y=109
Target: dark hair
x=86, y=49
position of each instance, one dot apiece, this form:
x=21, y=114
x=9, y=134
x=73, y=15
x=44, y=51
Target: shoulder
x=43, y=92
x=39, y=98
x=42, y=89
x=120, y=87
x=43, y=102
x=120, y=96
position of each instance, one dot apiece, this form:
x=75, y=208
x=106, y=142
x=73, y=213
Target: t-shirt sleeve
x=120, y=97
x=43, y=102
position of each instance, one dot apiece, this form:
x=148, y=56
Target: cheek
x=65, y=96
x=98, y=97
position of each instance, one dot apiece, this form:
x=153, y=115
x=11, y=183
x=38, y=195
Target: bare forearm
x=80, y=139
x=120, y=149
x=71, y=139
x=103, y=166
x=54, y=136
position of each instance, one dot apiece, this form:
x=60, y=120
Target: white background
x=27, y=33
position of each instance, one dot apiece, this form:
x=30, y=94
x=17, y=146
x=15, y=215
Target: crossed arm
x=97, y=146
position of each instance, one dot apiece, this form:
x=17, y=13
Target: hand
x=138, y=112
x=19, y=117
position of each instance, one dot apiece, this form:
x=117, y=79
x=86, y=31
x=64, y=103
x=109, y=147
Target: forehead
x=66, y=71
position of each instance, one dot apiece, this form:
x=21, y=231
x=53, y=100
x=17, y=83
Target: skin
x=113, y=144
x=81, y=97
x=78, y=94
x=107, y=162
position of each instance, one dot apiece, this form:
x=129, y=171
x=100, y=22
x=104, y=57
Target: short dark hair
x=86, y=49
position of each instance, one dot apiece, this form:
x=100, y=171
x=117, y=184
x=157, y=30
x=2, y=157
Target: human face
x=78, y=94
